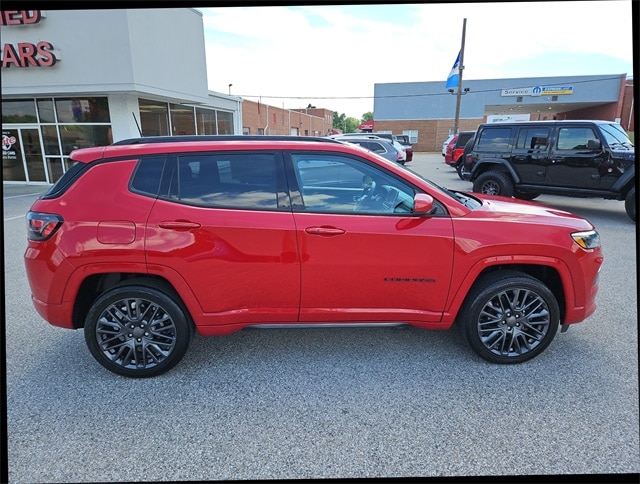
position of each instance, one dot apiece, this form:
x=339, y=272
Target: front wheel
x=493, y=182
x=137, y=331
x=630, y=203
x=509, y=317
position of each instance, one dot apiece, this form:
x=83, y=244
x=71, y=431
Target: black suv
x=573, y=158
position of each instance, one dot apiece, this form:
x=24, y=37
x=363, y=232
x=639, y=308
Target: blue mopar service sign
x=538, y=91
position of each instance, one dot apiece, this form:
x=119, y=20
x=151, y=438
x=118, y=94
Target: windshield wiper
x=624, y=144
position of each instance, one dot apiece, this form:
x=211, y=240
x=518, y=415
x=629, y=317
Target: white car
x=446, y=143
x=397, y=145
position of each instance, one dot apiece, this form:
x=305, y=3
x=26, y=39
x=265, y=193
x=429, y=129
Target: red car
x=145, y=241
x=455, y=148
x=403, y=139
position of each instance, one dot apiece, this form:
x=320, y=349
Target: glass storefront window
x=84, y=136
x=50, y=140
x=19, y=111
x=54, y=166
x=182, y=120
x=12, y=166
x=33, y=155
x=46, y=111
x=206, y=119
x=83, y=110
x=225, y=122
x=154, y=118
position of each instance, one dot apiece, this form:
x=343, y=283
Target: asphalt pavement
x=329, y=403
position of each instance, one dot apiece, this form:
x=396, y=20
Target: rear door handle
x=326, y=231
x=179, y=225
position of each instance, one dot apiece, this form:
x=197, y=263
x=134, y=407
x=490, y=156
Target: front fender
x=626, y=180
x=457, y=299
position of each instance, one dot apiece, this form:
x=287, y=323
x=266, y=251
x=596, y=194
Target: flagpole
x=460, y=67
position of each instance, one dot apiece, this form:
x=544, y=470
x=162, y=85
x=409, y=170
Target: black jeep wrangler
x=573, y=158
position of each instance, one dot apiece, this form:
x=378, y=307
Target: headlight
x=587, y=240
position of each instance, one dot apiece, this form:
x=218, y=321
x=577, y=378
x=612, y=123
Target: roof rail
x=221, y=137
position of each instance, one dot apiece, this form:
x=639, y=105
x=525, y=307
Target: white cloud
x=342, y=51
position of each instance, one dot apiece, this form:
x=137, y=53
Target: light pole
x=230, y=89
x=460, y=67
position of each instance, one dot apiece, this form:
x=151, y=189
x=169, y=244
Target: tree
x=368, y=116
x=351, y=125
x=338, y=121
x=344, y=124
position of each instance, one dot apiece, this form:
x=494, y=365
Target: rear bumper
x=55, y=314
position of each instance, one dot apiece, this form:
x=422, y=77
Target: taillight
x=41, y=226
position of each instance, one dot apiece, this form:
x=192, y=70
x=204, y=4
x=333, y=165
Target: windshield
x=615, y=136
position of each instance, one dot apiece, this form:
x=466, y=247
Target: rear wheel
x=630, y=203
x=137, y=331
x=509, y=317
x=493, y=182
x=460, y=168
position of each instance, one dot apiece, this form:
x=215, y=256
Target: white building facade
x=79, y=78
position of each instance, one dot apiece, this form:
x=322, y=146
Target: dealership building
x=80, y=78
x=426, y=110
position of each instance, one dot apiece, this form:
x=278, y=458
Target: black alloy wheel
x=460, y=169
x=493, y=182
x=630, y=204
x=509, y=317
x=137, y=331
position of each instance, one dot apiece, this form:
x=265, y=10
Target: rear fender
x=491, y=164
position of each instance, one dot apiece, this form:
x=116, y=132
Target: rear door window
x=229, y=180
x=533, y=139
x=494, y=139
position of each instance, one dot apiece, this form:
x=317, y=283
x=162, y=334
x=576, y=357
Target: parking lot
x=329, y=403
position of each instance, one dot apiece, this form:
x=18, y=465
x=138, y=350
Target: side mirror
x=594, y=145
x=422, y=204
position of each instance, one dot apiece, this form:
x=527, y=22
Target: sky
x=331, y=56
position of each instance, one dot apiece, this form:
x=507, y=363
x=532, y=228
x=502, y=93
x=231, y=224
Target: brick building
x=263, y=119
x=425, y=110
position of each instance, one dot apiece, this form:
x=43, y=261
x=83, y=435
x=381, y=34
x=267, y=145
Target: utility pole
x=460, y=67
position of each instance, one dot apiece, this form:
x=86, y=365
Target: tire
x=460, y=168
x=493, y=182
x=509, y=307
x=525, y=195
x=630, y=203
x=132, y=344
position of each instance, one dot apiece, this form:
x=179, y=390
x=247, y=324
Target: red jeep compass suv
x=145, y=241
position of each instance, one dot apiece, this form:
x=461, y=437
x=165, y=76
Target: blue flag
x=454, y=75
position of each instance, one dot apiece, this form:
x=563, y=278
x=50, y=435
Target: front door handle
x=179, y=225
x=326, y=231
